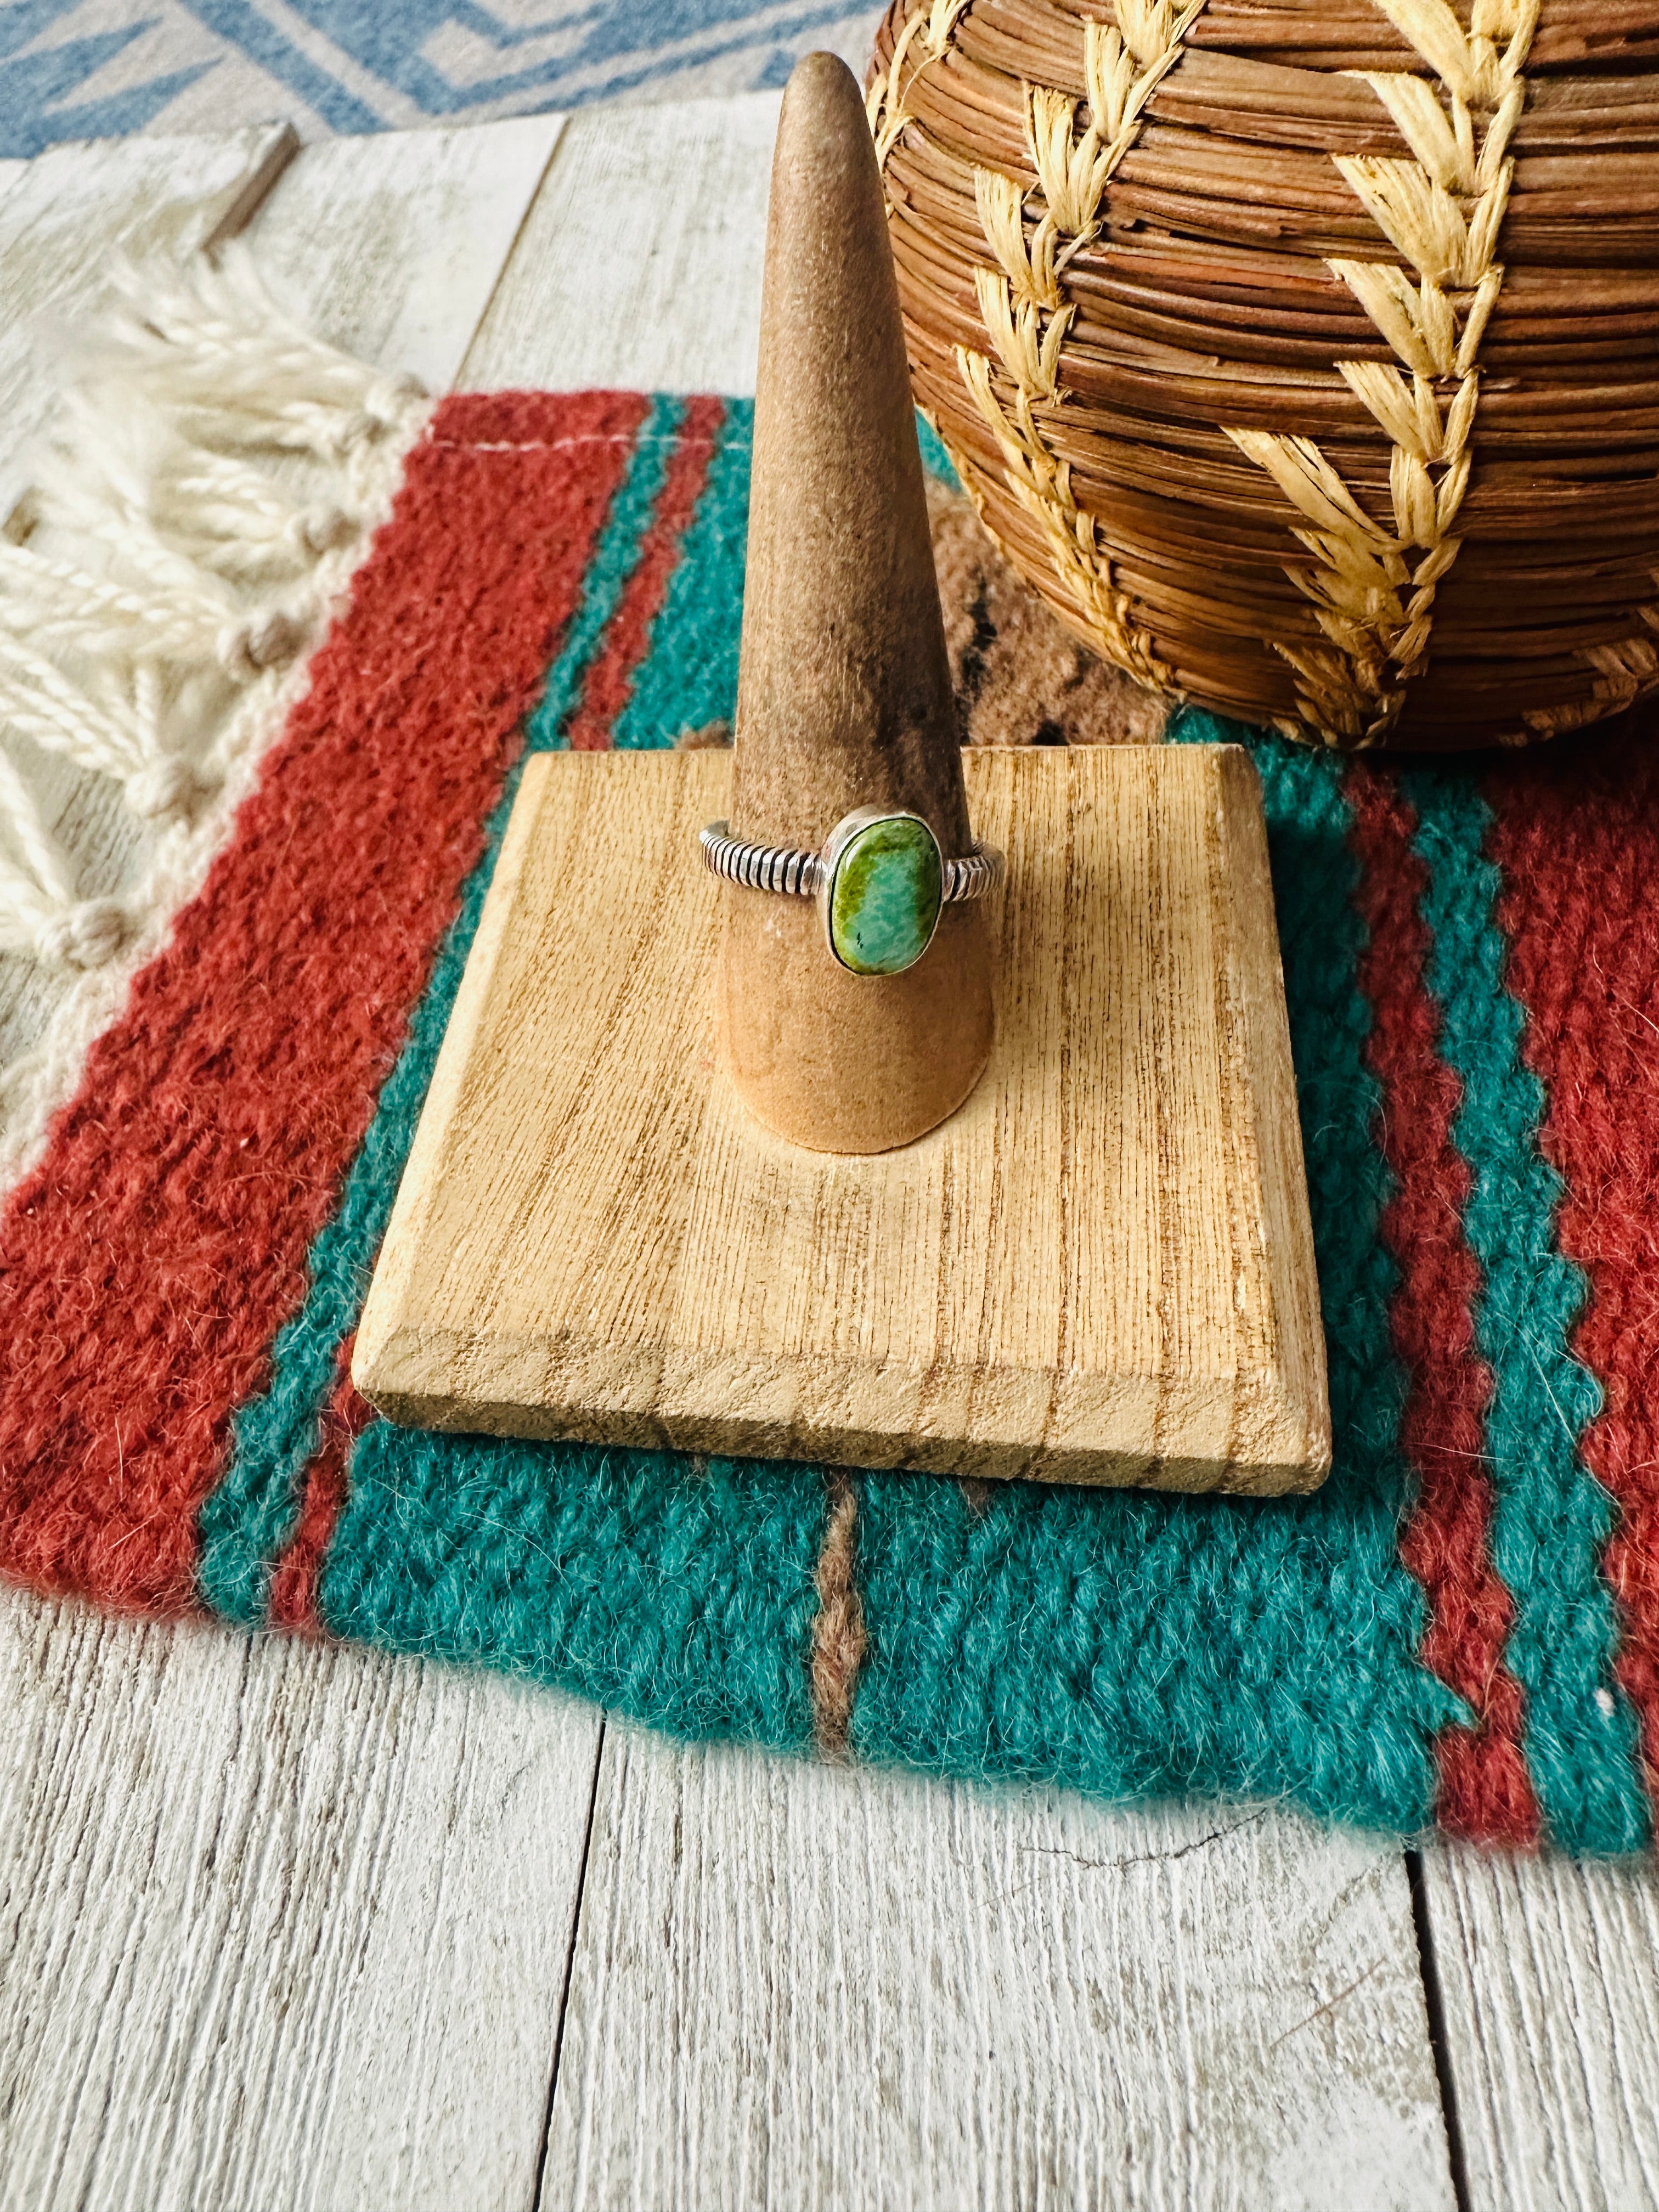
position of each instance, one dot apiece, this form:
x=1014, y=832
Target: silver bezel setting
x=849, y=827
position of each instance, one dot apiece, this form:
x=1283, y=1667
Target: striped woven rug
x=1462, y=1628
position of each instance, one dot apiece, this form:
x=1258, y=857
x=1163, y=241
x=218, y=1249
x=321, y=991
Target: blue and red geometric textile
x=106, y=69
x=1461, y=1628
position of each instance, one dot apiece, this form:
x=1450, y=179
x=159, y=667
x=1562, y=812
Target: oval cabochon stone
x=885, y=896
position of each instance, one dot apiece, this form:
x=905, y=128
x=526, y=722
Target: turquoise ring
x=881, y=883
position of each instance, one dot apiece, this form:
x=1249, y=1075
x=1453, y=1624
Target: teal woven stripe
x=689, y=675
x=1551, y=1517
x=678, y=1592
x=249, y=1517
x=1133, y=1644
x=935, y=459
x=630, y=516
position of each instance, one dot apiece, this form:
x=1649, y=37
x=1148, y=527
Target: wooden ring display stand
x=1093, y=1264
x=844, y=695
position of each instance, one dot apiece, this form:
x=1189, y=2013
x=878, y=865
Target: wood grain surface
x=1099, y=1269
x=1549, y=1974
x=433, y=215
x=814, y=1987
x=639, y=265
x=284, y=1925
x=1160, y=1902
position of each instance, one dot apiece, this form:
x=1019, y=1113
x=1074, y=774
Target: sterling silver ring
x=881, y=883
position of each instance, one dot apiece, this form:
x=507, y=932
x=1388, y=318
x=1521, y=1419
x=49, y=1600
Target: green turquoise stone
x=884, y=897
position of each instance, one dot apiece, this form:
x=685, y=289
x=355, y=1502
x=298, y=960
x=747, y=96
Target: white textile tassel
x=204, y=481
x=39, y=912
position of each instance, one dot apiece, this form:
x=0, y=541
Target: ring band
x=880, y=882
x=801, y=875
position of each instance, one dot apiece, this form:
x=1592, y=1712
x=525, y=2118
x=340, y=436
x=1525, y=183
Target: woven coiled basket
x=1302, y=353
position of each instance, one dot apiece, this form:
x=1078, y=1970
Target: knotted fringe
x=212, y=481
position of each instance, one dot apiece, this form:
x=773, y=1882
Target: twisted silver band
x=803, y=875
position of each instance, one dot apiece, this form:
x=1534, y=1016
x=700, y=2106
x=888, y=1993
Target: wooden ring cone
x=844, y=695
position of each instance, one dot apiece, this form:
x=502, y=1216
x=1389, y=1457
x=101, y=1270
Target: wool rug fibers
x=1462, y=1628
x=109, y=69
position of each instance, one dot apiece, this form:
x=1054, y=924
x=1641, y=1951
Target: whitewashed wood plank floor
x=799, y=1986
x=282, y=1926
x=1549, y=1975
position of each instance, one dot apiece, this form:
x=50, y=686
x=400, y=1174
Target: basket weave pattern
x=1303, y=354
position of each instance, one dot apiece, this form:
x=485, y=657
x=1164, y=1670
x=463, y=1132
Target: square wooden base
x=1099, y=1270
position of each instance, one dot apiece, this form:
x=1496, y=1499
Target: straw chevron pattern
x=1311, y=377
x=932, y=24
x=1026, y=313
x=1373, y=588
x=1022, y=300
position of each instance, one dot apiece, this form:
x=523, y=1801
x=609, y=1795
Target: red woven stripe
x=293, y=1580
x=1577, y=836
x=627, y=638
x=147, y=1265
x=611, y=679
x=1485, y=1790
